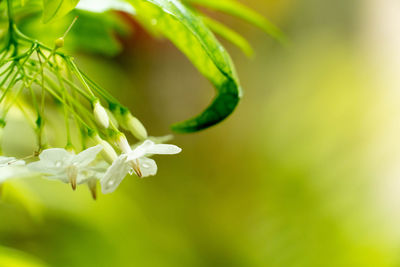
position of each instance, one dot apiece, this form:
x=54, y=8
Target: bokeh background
x=305, y=173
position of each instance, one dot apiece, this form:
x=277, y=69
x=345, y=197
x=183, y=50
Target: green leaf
x=230, y=35
x=189, y=33
x=92, y=33
x=53, y=9
x=241, y=11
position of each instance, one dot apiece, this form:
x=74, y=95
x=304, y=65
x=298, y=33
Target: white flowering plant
x=39, y=79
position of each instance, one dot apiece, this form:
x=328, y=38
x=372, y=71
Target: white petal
x=100, y=166
x=48, y=171
x=141, y=150
x=161, y=139
x=60, y=177
x=87, y=156
x=115, y=174
x=56, y=156
x=7, y=161
x=39, y=166
x=17, y=163
x=84, y=177
x=94, y=171
x=163, y=149
x=148, y=167
x=12, y=172
x=45, y=167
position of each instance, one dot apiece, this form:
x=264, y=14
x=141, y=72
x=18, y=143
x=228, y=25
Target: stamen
x=92, y=184
x=136, y=168
x=72, y=174
x=138, y=171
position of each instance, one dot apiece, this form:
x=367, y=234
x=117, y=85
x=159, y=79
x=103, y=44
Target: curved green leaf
x=189, y=33
x=239, y=10
x=53, y=9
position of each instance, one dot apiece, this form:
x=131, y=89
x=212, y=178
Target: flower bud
x=108, y=151
x=135, y=127
x=100, y=115
x=59, y=42
x=123, y=144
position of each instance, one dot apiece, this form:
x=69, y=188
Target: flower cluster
x=86, y=167
x=41, y=83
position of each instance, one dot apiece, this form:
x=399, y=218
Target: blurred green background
x=305, y=172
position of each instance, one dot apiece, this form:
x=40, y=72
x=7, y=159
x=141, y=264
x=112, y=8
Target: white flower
x=11, y=168
x=136, y=159
x=59, y=164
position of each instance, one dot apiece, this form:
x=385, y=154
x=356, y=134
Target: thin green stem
x=40, y=119
x=8, y=75
x=6, y=69
x=71, y=84
x=27, y=54
x=10, y=85
x=70, y=27
x=106, y=95
x=6, y=51
x=64, y=97
x=23, y=37
x=85, y=113
x=83, y=134
x=7, y=109
x=78, y=74
x=51, y=92
x=77, y=89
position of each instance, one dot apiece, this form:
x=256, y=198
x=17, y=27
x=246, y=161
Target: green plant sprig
x=28, y=62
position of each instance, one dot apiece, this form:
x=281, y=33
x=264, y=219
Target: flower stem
x=78, y=74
